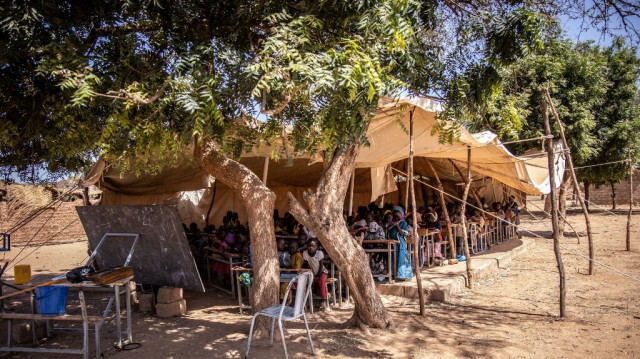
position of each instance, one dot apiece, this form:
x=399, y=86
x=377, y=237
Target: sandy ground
x=512, y=314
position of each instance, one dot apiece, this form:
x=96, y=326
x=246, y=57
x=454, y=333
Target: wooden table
x=98, y=321
x=232, y=259
x=390, y=250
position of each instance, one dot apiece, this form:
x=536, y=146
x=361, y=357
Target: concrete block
x=21, y=332
x=145, y=302
x=166, y=310
x=169, y=294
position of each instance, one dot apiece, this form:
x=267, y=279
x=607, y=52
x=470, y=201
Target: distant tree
x=618, y=119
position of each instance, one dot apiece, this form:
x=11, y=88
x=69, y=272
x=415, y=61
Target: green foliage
x=140, y=81
x=594, y=91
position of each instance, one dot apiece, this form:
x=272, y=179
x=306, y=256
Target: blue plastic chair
x=284, y=312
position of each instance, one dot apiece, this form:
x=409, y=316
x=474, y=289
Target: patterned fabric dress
x=405, y=271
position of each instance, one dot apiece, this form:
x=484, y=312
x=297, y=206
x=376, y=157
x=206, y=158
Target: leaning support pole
x=465, y=241
x=554, y=206
x=630, y=199
x=445, y=212
x=414, y=225
x=473, y=191
x=576, y=184
x=213, y=200
x=351, y=185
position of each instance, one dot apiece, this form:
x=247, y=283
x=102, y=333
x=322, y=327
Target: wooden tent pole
x=414, y=225
x=406, y=190
x=473, y=191
x=353, y=182
x=265, y=170
x=576, y=184
x=628, y=242
x=554, y=207
x=213, y=199
x=445, y=212
x=465, y=242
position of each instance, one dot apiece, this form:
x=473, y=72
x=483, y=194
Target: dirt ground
x=512, y=314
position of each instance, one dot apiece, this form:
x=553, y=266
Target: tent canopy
x=374, y=175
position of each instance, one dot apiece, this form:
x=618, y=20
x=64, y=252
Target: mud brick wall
x=602, y=194
x=57, y=224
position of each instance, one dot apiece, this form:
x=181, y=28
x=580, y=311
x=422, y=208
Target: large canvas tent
x=495, y=170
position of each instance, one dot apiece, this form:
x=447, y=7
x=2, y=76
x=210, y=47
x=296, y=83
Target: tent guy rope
x=528, y=231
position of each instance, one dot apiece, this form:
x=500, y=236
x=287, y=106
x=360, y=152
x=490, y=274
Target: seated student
x=374, y=230
x=226, y=224
x=433, y=224
x=234, y=222
x=302, y=241
x=313, y=256
x=513, y=206
x=387, y=221
x=283, y=256
x=279, y=227
x=296, y=263
x=358, y=228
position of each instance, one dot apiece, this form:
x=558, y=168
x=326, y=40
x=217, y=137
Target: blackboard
x=162, y=255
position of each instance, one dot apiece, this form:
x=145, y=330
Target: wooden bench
x=84, y=318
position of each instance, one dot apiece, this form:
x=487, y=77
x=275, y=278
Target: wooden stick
x=213, y=200
x=414, y=210
x=576, y=184
x=465, y=195
x=445, y=212
x=51, y=282
x=628, y=242
x=554, y=207
x=473, y=191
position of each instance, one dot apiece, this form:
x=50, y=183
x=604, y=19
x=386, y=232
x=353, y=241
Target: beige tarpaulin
x=388, y=150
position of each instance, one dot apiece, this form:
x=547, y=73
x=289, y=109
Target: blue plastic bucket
x=51, y=300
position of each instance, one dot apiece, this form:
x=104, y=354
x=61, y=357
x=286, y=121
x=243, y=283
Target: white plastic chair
x=280, y=312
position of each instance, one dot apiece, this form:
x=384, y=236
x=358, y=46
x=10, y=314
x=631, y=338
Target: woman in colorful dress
x=399, y=232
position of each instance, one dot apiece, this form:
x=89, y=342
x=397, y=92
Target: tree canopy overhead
x=143, y=79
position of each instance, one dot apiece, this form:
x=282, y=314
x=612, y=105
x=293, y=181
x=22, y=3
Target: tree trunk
x=613, y=196
x=259, y=202
x=554, y=208
x=323, y=215
x=414, y=226
x=562, y=202
x=587, y=193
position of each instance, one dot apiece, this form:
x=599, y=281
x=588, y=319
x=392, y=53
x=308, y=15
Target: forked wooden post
x=465, y=242
x=576, y=184
x=213, y=200
x=630, y=199
x=554, y=206
x=445, y=212
x=473, y=191
x=414, y=225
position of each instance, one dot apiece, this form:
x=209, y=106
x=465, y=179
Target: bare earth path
x=512, y=314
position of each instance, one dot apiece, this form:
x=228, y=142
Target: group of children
x=372, y=222
x=368, y=223
x=295, y=258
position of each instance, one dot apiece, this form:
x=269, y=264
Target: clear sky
x=580, y=31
